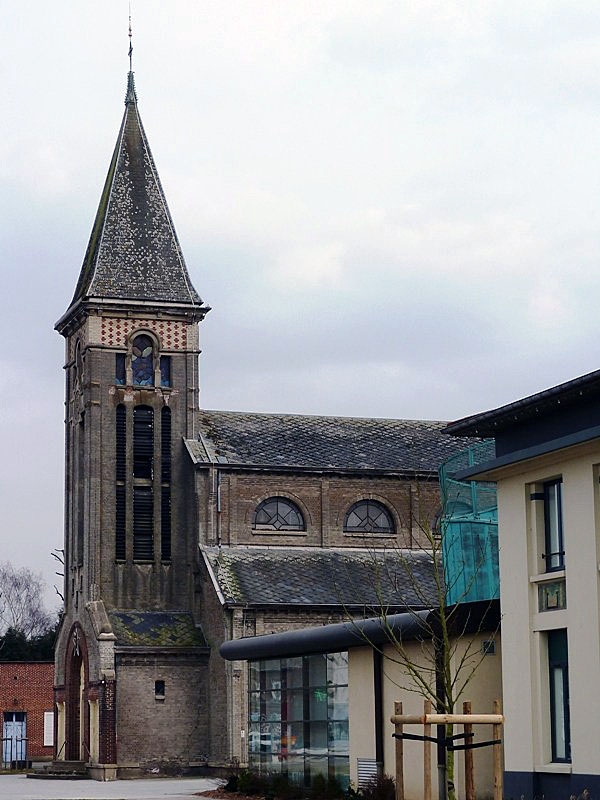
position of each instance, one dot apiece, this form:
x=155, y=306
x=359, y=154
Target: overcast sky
x=392, y=207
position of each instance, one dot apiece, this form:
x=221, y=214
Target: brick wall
x=28, y=687
x=324, y=502
x=167, y=732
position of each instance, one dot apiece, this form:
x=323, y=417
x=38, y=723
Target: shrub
x=232, y=784
x=382, y=787
x=252, y=783
x=323, y=788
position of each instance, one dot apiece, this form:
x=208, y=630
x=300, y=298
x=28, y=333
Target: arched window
x=278, y=514
x=368, y=516
x=142, y=361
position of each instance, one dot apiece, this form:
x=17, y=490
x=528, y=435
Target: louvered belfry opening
x=143, y=523
x=143, y=442
x=165, y=478
x=139, y=485
x=120, y=475
x=143, y=500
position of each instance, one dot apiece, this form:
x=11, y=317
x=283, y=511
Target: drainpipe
x=218, y=476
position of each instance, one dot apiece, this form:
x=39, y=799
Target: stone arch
x=357, y=497
x=77, y=713
x=286, y=494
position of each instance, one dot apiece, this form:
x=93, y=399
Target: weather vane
x=130, y=41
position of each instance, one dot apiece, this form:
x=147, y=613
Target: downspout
x=218, y=480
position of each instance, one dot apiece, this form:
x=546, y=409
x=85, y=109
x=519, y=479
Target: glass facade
x=298, y=717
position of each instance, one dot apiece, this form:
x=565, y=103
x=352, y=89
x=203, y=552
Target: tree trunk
x=450, y=788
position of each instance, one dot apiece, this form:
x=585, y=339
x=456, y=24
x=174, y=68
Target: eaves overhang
x=226, y=466
x=75, y=314
x=489, y=470
x=489, y=423
x=132, y=650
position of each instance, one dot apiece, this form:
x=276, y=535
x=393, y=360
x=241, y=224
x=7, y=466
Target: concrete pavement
x=19, y=787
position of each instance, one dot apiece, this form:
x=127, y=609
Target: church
x=186, y=528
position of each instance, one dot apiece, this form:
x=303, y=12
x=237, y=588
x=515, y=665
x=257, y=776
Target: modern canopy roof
x=133, y=253
x=333, y=638
x=467, y=619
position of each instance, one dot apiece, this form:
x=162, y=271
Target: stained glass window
x=278, y=514
x=142, y=361
x=368, y=516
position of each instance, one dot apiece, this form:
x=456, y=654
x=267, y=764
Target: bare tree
x=21, y=601
x=442, y=658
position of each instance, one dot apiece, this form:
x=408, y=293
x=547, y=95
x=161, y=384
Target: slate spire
x=133, y=253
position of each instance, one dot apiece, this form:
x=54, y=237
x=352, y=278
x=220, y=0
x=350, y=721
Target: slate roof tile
x=134, y=252
x=295, y=576
x=156, y=629
x=348, y=443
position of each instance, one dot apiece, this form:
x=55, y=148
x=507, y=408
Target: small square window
x=488, y=647
x=159, y=690
x=552, y=596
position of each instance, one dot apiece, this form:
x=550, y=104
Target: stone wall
x=168, y=732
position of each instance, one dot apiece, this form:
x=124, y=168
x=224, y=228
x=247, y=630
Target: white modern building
x=547, y=469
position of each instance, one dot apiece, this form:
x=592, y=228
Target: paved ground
x=18, y=787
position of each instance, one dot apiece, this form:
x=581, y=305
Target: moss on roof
x=156, y=629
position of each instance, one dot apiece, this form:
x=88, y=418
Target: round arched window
x=368, y=516
x=142, y=360
x=278, y=514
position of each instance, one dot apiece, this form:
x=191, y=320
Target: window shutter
x=48, y=728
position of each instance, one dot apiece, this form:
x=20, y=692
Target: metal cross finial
x=130, y=41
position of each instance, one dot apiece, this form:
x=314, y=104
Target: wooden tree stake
x=427, y=755
x=469, y=767
x=399, y=754
x=497, y=734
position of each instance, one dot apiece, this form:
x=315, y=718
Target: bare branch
x=21, y=602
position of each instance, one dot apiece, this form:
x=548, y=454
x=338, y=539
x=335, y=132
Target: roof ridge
x=320, y=416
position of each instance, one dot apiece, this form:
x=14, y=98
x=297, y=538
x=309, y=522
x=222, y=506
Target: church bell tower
x=131, y=340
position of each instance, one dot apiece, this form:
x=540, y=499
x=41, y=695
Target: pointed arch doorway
x=77, y=717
